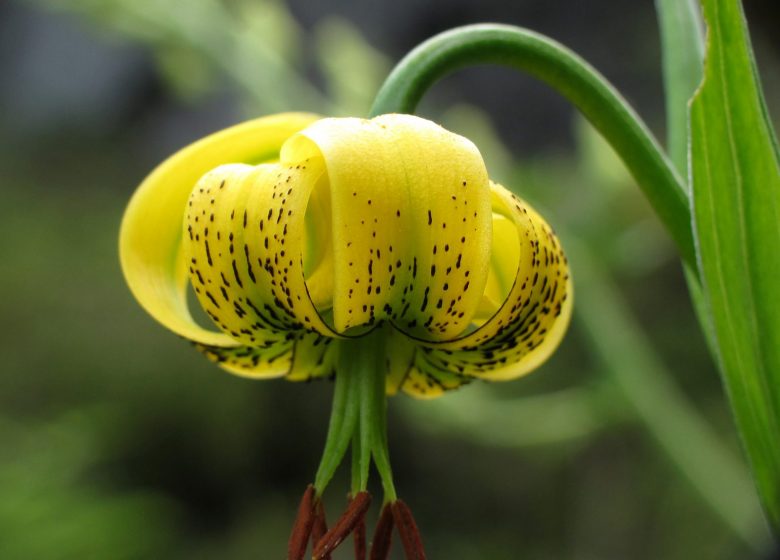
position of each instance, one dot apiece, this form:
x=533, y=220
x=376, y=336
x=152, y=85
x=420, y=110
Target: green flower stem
x=356, y=459
x=365, y=354
x=370, y=351
x=572, y=77
x=359, y=415
x=343, y=421
x=376, y=415
x=682, y=50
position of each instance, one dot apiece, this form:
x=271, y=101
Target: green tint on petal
x=150, y=236
x=318, y=248
x=305, y=357
x=525, y=330
x=411, y=222
x=504, y=255
x=426, y=381
x=399, y=360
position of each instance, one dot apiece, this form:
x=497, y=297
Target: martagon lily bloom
x=322, y=246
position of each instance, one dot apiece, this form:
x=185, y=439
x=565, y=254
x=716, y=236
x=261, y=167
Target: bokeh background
x=118, y=441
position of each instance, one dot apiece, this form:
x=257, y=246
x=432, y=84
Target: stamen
x=408, y=531
x=320, y=527
x=349, y=520
x=380, y=544
x=304, y=521
x=359, y=540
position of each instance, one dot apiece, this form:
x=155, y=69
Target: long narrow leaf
x=682, y=47
x=736, y=213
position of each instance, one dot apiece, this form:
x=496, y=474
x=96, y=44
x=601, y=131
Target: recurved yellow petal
x=504, y=254
x=303, y=357
x=157, y=265
x=245, y=246
x=150, y=238
x=411, y=222
x=295, y=232
x=527, y=326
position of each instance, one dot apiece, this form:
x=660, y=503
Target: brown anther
x=304, y=521
x=380, y=544
x=359, y=540
x=408, y=531
x=320, y=526
x=349, y=520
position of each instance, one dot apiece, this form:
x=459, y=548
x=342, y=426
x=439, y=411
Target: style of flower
x=376, y=251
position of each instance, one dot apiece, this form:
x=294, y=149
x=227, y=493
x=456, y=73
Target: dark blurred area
x=120, y=441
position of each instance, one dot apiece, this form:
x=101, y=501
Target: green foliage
x=353, y=69
x=43, y=479
x=250, y=45
x=645, y=383
x=682, y=46
x=736, y=203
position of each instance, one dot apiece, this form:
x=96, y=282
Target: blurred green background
x=117, y=440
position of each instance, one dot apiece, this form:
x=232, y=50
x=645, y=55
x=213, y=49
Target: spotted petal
x=529, y=317
x=156, y=266
x=411, y=222
x=322, y=230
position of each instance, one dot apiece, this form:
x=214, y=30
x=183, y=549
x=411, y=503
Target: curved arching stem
x=569, y=75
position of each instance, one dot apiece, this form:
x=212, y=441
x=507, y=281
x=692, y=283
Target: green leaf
x=736, y=214
x=682, y=46
x=683, y=52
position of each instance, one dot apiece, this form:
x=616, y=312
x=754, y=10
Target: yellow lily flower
x=297, y=233
x=376, y=247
